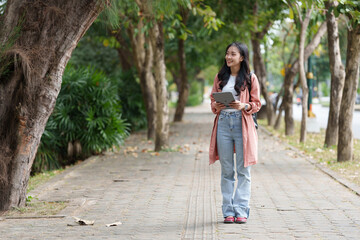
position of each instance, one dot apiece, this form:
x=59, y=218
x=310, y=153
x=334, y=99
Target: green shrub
x=86, y=120
x=129, y=91
x=325, y=89
x=196, y=93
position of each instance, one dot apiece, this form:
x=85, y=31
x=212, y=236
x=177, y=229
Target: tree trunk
x=337, y=78
x=345, y=142
x=259, y=67
x=162, y=113
x=288, y=100
x=305, y=90
x=124, y=52
x=147, y=83
x=278, y=118
x=144, y=62
x=176, y=78
x=290, y=74
x=49, y=32
x=184, y=85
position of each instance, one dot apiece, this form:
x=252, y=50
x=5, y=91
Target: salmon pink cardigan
x=250, y=138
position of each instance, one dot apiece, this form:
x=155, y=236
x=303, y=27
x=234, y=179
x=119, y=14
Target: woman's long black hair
x=243, y=77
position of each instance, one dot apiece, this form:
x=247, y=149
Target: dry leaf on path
x=155, y=154
x=113, y=224
x=135, y=155
x=82, y=222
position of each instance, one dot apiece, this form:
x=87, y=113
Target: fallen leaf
x=113, y=224
x=135, y=154
x=155, y=154
x=82, y=222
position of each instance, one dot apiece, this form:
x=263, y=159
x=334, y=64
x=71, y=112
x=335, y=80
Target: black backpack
x=254, y=115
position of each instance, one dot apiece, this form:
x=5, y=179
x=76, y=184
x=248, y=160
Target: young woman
x=234, y=131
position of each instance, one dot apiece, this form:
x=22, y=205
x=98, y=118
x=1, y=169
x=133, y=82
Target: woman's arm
x=255, y=104
x=214, y=89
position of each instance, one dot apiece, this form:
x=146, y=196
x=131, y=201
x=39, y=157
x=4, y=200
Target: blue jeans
x=229, y=133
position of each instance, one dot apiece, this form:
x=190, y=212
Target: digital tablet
x=224, y=98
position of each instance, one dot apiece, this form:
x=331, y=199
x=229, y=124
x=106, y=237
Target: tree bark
x=184, y=85
x=278, y=118
x=259, y=67
x=305, y=90
x=147, y=82
x=49, y=32
x=162, y=109
x=124, y=52
x=345, y=141
x=143, y=57
x=337, y=78
x=290, y=74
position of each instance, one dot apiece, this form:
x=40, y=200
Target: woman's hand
x=219, y=106
x=237, y=105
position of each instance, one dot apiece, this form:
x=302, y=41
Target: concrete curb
x=337, y=177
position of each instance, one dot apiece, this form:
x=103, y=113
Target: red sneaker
x=241, y=220
x=229, y=219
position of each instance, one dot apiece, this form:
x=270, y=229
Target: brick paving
x=176, y=195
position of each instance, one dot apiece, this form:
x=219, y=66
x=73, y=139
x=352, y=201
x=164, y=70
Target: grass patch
x=37, y=208
x=33, y=206
x=314, y=148
x=41, y=178
x=325, y=104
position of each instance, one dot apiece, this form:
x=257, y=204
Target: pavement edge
x=337, y=177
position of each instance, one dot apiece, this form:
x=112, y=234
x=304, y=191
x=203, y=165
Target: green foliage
x=325, y=89
x=351, y=9
x=91, y=51
x=99, y=50
x=133, y=107
x=28, y=199
x=88, y=112
x=2, y=7
x=195, y=94
x=48, y=154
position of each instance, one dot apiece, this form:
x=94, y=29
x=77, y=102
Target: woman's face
x=233, y=57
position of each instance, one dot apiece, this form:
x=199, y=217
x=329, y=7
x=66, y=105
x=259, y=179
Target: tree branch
x=299, y=12
x=265, y=30
x=316, y=40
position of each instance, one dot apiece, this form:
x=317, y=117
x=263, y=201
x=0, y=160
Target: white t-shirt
x=229, y=87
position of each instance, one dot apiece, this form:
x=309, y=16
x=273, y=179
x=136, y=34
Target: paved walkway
x=176, y=195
